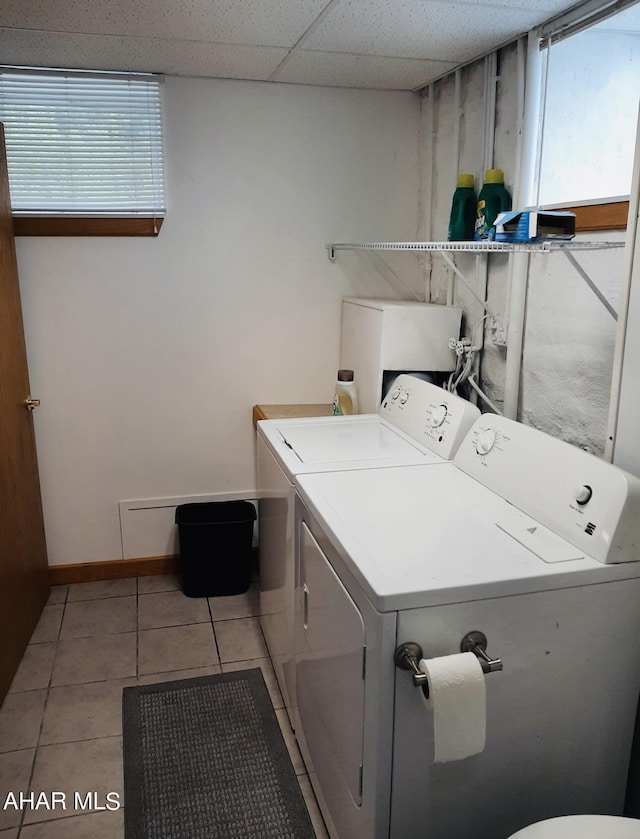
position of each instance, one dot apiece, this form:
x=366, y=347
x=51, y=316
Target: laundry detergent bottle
x=463, y=210
x=493, y=199
x=345, y=400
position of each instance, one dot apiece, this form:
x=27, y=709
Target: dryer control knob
x=583, y=494
x=396, y=393
x=486, y=440
x=404, y=398
x=438, y=416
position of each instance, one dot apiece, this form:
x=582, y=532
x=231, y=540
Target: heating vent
x=147, y=526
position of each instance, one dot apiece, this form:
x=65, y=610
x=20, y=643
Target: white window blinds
x=83, y=143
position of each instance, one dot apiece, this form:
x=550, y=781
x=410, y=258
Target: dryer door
x=330, y=646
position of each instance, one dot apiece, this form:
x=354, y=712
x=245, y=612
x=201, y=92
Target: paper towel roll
x=458, y=700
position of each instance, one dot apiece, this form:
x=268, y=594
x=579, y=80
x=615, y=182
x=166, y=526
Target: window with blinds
x=83, y=144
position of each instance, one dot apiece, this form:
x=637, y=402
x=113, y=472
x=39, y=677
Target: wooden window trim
x=67, y=226
x=589, y=218
x=594, y=217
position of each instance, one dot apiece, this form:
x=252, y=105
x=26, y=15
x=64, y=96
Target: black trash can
x=215, y=547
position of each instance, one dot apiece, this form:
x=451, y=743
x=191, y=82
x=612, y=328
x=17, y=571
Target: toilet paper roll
x=458, y=699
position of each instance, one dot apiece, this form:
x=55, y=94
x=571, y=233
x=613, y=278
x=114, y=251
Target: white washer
x=390, y=556
x=417, y=422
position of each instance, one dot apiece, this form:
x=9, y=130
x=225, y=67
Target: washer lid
x=417, y=422
x=340, y=442
x=419, y=536
x=325, y=444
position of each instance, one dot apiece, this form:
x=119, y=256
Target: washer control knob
x=404, y=398
x=438, y=416
x=396, y=393
x=583, y=494
x=486, y=440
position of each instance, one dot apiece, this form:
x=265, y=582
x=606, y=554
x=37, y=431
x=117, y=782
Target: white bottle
x=345, y=400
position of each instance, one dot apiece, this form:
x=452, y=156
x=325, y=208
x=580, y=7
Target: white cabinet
x=393, y=336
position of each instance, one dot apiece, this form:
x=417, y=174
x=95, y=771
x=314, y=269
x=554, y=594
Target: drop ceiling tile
x=366, y=71
x=418, y=29
x=276, y=23
x=96, y=52
x=412, y=41
x=544, y=8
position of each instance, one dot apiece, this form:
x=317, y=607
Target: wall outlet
x=499, y=327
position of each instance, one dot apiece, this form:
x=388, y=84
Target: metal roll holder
x=407, y=657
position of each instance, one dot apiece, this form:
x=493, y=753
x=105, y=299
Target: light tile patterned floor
x=61, y=723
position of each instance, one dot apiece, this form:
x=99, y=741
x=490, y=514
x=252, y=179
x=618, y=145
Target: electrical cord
x=482, y=395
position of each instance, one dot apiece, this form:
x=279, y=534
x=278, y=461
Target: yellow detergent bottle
x=345, y=400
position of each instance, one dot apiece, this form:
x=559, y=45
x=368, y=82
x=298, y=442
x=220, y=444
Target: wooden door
x=24, y=583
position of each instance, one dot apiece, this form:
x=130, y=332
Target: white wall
x=569, y=336
x=148, y=354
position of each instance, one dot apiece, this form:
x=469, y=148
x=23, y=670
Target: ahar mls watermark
x=61, y=801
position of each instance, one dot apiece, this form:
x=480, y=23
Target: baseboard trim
x=88, y=572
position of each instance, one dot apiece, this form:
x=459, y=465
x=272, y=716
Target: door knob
x=31, y=404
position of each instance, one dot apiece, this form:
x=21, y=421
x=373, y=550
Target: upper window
x=589, y=73
x=83, y=144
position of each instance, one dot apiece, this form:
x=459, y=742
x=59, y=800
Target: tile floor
x=61, y=723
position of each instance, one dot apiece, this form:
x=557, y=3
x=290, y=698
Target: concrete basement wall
x=569, y=335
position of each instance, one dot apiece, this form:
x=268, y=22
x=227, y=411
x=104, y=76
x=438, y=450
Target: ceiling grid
x=382, y=44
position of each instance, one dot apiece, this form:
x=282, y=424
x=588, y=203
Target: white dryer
x=526, y=539
x=417, y=422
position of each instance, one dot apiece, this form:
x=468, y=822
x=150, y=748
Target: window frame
x=600, y=214
x=86, y=226
x=80, y=224
x=592, y=217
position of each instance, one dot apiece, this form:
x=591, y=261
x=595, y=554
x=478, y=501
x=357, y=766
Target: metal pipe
x=427, y=147
x=483, y=395
x=482, y=263
x=515, y=333
x=632, y=253
x=515, y=305
x=526, y=176
x=521, y=59
x=457, y=113
x=458, y=273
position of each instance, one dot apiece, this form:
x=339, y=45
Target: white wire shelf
x=472, y=247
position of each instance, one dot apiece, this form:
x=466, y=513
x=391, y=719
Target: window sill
x=589, y=218
x=67, y=226
x=593, y=217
